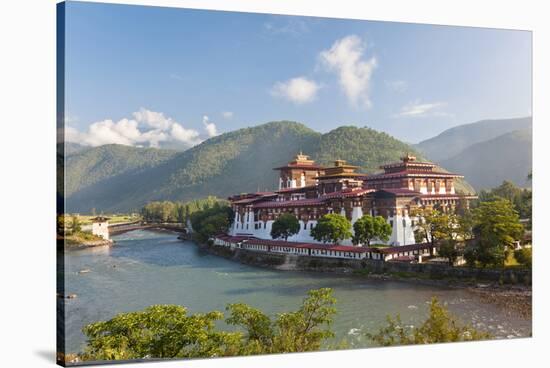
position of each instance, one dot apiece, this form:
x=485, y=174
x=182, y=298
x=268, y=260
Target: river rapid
x=145, y=268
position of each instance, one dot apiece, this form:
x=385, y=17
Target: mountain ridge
x=237, y=161
x=487, y=164
x=454, y=140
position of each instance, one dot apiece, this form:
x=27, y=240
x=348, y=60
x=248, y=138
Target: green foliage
x=521, y=198
x=364, y=147
x=370, y=227
x=433, y=226
x=285, y=226
x=449, y=250
x=299, y=331
x=160, y=331
x=75, y=225
x=177, y=212
x=440, y=326
x=332, y=228
x=524, y=257
x=211, y=221
x=497, y=223
x=86, y=167
x=167, y=331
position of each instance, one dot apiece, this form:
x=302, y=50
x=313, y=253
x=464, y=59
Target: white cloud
x=210, y=128
x=107, y=131
x=153, y=119
x=419, y=109
x=227, y=114
x=346, y=58
x=298, y=90
x=146, y=128
x=181, y=134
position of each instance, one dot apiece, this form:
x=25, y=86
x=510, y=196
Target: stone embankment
x=509, y=289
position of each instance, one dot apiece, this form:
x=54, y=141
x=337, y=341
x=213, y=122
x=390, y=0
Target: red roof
x=281, y=243
x=399, y=191
x=297, y=189
x=342, y=248
x=346, y=193
x=446, y=196
x=296, y=203
x=408, y=163
x=300, y=166
x=412, y=173
x=404, y=248
x=253, y=197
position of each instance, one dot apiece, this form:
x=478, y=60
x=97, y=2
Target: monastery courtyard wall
x=349, y=266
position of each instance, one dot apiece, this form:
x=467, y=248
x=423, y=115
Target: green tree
x=521, y=198
x=440, y=326
x=332, y=228
x=449, y=249
x=299, y=331
x=285, y=226
x=75, y=225
x=497, y=223
x=432, y=225
x=211, y=221
x=524, y=257
x=370, y=227
x=181, y=213
x=465, y=225
x=167, y=331
x=160, y=331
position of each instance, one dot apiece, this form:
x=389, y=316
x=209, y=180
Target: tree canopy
x=332, y=228
x=177, y=212
x=496, y=226
x=521, y=198
x=285, y=226
x=168, y=331
x=370, y=227
x=497, y=223
x=211, y=221
x=440, y=326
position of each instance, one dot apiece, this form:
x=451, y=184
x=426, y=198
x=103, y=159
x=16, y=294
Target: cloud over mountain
x=418, y=109
x=299, y=90
x=145, y=128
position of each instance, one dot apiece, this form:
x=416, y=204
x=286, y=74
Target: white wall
x=101, y=229
x=400, y=235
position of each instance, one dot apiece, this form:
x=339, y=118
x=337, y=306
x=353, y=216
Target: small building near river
x=100, y=227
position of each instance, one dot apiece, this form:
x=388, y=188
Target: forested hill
x=455, y=140
x=238, y=161
x=88, y=166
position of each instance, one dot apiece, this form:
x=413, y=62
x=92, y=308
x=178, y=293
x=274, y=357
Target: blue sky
x=174, y=77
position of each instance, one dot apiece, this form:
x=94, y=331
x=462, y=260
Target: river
x=146, y=267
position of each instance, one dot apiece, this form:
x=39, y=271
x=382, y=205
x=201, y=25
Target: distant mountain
x=453, y=141
x=238, y=161
x=487, y=164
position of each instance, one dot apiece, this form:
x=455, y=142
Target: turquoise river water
x=145, y=268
